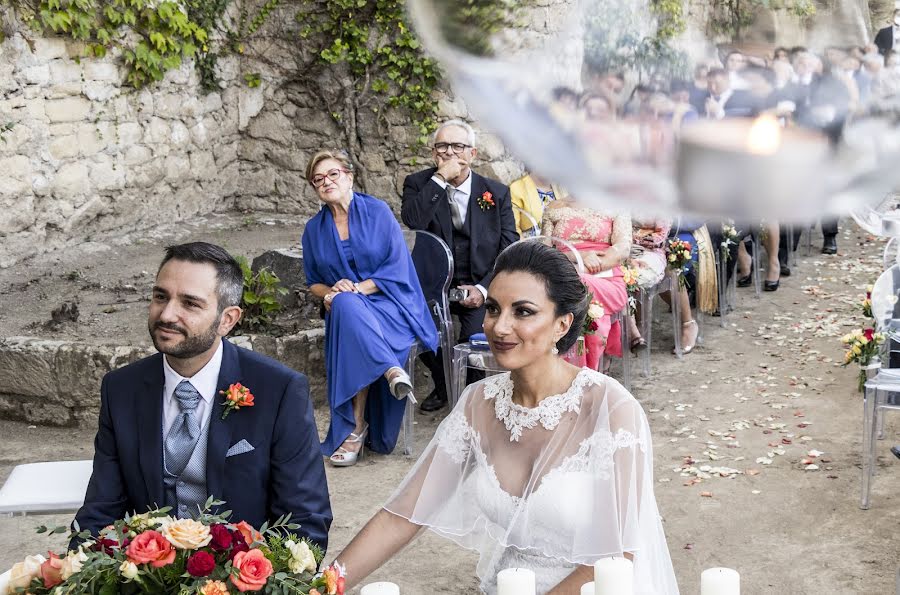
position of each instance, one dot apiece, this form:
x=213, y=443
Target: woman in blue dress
x=356, y=261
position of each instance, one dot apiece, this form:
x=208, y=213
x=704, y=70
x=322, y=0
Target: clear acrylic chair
x=726, y=288
x=882, y=393
x=529, y=232
x=433, y=262
x=889, y=258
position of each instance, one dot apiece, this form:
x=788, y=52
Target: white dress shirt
x=461, y=195
x=205, y=381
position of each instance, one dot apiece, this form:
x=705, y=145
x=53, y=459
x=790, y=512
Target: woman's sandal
x=400, y=384
x=347, y=458
x=689, y=348
x=638, y=344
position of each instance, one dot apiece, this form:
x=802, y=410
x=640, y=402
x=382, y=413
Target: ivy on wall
x=730, y=18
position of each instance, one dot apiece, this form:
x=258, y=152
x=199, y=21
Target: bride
x=547, y=467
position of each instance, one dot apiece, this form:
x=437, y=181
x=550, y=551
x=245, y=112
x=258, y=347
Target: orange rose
x=151, y=548
x=214, y=588
x=51, y=570
x=253, y=570
x=240, y=395
x=250, y=534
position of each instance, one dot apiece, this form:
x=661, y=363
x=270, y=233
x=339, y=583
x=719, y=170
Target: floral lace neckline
x=548, y=412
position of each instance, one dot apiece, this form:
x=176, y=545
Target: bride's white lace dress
x=549, y=488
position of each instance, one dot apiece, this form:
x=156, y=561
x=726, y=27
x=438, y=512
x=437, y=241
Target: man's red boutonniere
x=236, y=396
x=486, y=201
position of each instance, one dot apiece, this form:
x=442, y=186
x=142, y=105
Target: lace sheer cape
x=565, y=483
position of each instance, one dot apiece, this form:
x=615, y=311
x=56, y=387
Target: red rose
x=105, y=545
x=253, y=570
x=221, y=538
x=150, y=547
x=595, y=326
x=238, y=544
x=869, y=333
x=201, y=564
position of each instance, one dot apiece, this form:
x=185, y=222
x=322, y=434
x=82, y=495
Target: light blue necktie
x=185, y=430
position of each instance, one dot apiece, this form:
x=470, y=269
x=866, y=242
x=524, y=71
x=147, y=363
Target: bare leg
x=743, y=261
x=689, y=328
x=772, y=240
x=359, y=413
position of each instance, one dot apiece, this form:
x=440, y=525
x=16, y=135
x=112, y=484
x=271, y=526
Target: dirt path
x=768, y=388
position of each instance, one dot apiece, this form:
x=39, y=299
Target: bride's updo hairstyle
x=561, y=280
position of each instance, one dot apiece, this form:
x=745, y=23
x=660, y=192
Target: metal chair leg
x=676, y=315
x=870, y=401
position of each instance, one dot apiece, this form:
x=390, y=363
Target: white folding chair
x=527, y=232
x=45, y=488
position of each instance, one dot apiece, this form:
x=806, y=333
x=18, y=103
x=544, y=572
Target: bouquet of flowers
x=678, y=256
x=155, y=553
x=630, y=276
x=729, y=238
x=867, y=303
x=862, y=346
x=591, y=325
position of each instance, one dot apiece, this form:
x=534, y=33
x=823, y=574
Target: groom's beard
x=191, y=345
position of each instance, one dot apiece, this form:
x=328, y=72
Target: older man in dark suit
x=473, y=215
x=168, y=434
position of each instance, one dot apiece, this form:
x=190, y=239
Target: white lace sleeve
x=455, y=437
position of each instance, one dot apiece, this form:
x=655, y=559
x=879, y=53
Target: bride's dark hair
x=564, y=287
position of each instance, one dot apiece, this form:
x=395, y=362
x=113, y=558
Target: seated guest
x=531, y=194
x=474, y=217
x=166, y=436
x=885, y=38
x=726, y=101
x=357, y=262
x=604, y=242
x=648, y=256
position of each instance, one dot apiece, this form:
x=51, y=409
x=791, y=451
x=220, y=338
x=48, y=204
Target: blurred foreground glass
x=513, y=63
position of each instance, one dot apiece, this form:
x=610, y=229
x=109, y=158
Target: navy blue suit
x=284, y=472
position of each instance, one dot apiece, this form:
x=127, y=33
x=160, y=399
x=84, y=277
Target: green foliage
x=374, y=43
x=619, y=39
x=260, y=299
x=730, y=18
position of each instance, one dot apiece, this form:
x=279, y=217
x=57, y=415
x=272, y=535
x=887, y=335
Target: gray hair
x=459, y=124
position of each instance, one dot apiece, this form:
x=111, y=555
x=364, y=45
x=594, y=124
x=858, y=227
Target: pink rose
x=51, y=571
x=150, y=547
x=253, y=570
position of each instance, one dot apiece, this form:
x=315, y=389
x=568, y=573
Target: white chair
x=433, y=262
x=527, y=232
x=45, y=488
x=882, y=393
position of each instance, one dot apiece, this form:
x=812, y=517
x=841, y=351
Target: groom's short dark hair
x=229, y=277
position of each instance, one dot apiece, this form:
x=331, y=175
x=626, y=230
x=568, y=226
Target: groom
x=166, y=437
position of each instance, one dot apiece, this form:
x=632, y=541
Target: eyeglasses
x=447, y=147
x=331, y=174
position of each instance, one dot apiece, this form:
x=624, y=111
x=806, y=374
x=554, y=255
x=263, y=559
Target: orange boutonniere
x=486, y=201
x=236, y=396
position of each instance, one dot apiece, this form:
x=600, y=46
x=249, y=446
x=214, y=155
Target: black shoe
x=771, y=285
x=745, y=281
x=896, y=451
x=829, y=246
x=785, y=271
x=434, y=402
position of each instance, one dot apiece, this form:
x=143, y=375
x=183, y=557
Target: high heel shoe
x=347, y=458
x=400, y=384
x=746, y=281
x=686, y=349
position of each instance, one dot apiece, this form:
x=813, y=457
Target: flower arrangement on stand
x=678, y=256
x=863, y=346
x=155, y=553
x=729, y=239
x=630, y=276
x=591, y=325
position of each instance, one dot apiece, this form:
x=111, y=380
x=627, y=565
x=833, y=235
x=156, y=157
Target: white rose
x=22, y=572
x=595, y=311
x=187, y=534
x=128, y=569
x=302, y=558
x=73, y=563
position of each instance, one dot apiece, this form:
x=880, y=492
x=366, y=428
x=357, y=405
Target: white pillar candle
x=587, y=588
x=720, y=581
x=383, y=588
x=613, y=576
x=515, y=581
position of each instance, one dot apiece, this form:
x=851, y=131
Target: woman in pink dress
x=604, y=242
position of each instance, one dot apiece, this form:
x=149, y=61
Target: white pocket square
x=239, y=449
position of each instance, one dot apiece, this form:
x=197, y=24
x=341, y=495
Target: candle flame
x=764, y=137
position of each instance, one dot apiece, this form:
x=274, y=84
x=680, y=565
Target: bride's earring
x=554, y=350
